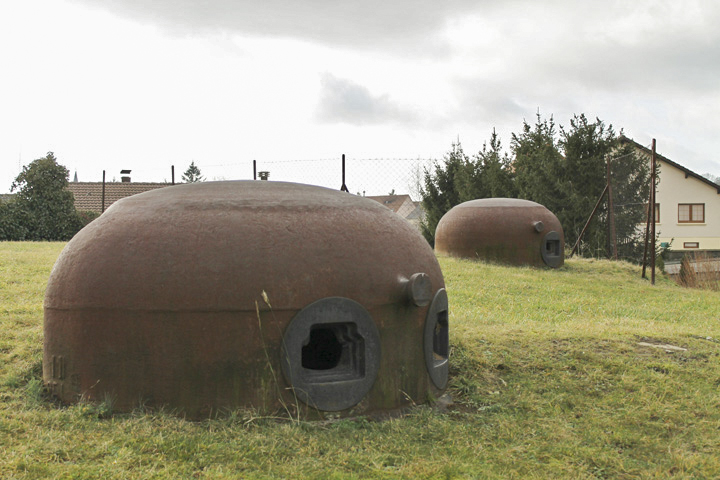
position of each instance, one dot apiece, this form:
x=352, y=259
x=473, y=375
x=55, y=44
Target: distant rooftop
x=393, y=202
x=88, y=195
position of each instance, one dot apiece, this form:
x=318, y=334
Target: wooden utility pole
x=653, y=173
x=650, y=226
x=647, y=235
x=611, y=213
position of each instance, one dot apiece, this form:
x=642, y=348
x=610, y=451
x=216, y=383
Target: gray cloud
x=566, y=34
x=667, y=49
x=665, y=65
x=345, y=101
x=645, y=65
x=488, y=101
x=405, y=25
x=572, y=57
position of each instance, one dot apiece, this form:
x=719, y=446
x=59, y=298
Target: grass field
x=550, y=379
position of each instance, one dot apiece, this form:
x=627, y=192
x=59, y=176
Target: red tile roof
x=88, y=195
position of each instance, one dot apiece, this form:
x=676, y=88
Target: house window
x=691, y=244
x=691, y=213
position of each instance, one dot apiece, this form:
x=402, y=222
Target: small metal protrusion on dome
x=419, y=289
x=539, y=226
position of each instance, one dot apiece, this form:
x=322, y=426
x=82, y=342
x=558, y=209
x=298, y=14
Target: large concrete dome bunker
x=267, y=295
x=505, y=230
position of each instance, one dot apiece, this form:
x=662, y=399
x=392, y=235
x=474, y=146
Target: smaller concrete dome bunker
x=269, y=295
x=505, y=230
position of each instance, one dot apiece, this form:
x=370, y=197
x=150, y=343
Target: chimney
x=125, y=178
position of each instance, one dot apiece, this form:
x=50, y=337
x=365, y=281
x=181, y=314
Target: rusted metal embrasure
x=506, y=230
x=160, y=302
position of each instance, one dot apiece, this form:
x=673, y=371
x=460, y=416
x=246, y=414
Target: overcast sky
x=142, y=85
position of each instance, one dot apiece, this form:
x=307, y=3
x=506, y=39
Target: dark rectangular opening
x=441, y=339
x=333, y=352
x=552, y=247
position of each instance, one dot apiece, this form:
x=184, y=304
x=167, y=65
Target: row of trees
x=563, y=169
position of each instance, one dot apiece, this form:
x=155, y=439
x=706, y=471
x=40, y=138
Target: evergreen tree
x=192, y=174
x=564, y=171
x=43, y=208
x=496, y=168
x=460, y=179
x=630, y=179
x=440, y=192
x=538, y=165
x=488, y=174
x=586, y=147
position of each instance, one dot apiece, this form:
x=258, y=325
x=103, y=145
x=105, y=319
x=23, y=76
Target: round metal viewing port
x=437, y=345
x=331, y=354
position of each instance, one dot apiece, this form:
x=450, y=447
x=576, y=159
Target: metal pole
x=344, y=187
x=653, y=174
x=611, y=213
x=103, y=193
x=172, y=173
x=254, y=169
x=588, y=221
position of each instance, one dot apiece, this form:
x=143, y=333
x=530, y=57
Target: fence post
x=344, y=187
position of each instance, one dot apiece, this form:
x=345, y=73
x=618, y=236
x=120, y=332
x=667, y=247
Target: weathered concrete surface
x=160, y=300
x=506, y=230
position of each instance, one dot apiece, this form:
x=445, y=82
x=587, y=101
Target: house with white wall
x=687, y=206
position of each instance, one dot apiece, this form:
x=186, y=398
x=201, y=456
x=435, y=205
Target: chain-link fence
x=363, y=176
x=628, y=186
x=616, y=227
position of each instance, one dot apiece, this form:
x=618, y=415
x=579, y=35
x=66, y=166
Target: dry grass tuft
x=699, y=271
